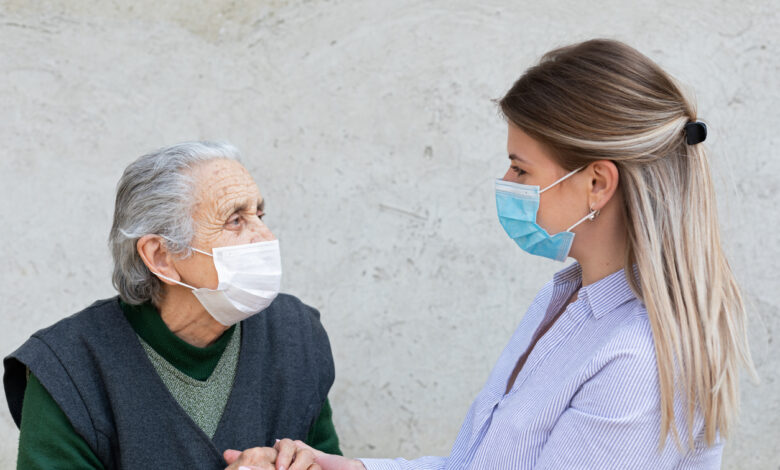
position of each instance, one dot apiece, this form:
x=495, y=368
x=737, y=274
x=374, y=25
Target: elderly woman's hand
x=256, y=458
x=292, y=451
x=283, y=456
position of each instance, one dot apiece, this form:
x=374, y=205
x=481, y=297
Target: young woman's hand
x=289, y=451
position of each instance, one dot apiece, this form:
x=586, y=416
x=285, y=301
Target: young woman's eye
x=519, y=171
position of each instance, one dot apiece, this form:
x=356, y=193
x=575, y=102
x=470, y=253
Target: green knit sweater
x=47, y=439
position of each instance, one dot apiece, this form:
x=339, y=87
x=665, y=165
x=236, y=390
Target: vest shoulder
x=288, y=309
x=296, y=331
x=64, y=358
x=98, y=316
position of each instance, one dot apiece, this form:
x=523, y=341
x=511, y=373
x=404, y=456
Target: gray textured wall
x=370, y=130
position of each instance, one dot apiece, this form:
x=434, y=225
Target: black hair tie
x=695, y=132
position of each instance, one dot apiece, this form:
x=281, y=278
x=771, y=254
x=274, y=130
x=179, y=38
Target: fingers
x=286, y=453
x=257, y=458
x=300, y=445
x=294, y=455
x=257, y=455
x=304, y=458
x=328, y=461
x=231, y=455
x=265, y=466
x=251, y=467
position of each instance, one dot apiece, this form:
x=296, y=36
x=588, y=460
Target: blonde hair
x=602, y=99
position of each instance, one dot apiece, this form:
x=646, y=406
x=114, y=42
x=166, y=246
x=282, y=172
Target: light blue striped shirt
x=587, y=396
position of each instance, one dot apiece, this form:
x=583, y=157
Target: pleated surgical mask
x=518, y=206
x=249, y=280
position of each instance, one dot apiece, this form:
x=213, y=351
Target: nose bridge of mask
x=240, y=257
x=522, y=191
x=229, y=261
x=233, y=262
x=519, y=202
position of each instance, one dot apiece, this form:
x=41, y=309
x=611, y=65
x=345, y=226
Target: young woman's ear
x=603, y=182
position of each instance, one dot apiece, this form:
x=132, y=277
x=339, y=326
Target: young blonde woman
x=629, y=357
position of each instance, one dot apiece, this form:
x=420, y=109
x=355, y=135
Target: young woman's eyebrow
x=515, y=158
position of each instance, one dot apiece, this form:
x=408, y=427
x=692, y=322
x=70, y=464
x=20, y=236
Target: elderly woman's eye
x=234, y=220
x=260, y=215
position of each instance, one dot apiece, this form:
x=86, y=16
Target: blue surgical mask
x=518, y=205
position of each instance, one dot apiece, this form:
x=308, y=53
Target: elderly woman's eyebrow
x=246, y=206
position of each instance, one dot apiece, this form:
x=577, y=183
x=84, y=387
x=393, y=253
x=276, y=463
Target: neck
x=602, y=247
x=595, y=269
x=183, y=314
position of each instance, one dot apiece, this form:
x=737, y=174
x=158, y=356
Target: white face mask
x=250, y=277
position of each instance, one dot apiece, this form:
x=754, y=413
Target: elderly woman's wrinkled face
x=228, y=211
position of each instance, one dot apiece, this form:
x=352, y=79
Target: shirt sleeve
x=423, y=463
x=47, y=438
x=322, y=435
x=612, y=422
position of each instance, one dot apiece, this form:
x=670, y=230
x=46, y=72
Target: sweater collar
x=196, y=362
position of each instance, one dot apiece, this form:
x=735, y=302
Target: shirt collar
x=602, y=296
x=568, y=274
x=609, y=293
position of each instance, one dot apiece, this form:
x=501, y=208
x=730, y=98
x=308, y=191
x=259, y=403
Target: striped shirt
x=586, y=398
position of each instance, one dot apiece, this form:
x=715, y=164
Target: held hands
x=256, y=458
x=279, y=457
x=288, y=455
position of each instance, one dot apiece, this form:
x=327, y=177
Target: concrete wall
x=370, y=129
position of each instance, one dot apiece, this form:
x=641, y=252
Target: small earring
x=594, y=213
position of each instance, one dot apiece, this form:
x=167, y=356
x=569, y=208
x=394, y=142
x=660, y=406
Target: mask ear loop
x=174, y=280
x=191, y=248
x=201, y=252
x=561, y=179
x=591, y=216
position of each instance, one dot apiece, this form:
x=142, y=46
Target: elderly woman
x=197, y=354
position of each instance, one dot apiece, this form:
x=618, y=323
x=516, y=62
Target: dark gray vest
x=96, y=370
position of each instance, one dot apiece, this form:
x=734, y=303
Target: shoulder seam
x=81, y=397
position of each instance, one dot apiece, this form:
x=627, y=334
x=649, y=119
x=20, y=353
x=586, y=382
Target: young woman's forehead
x=524, y=149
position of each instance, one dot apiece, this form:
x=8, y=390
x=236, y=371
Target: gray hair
x=156, y=196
